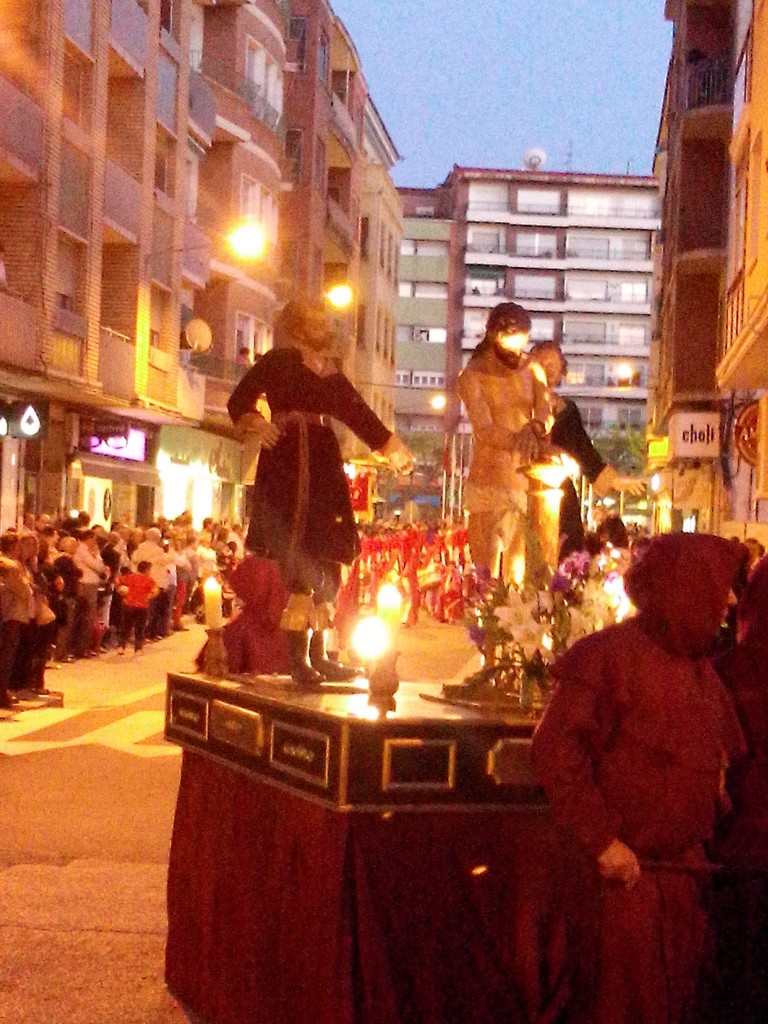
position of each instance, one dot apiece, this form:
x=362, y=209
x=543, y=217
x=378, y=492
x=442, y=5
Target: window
x=403, y=378
x=430, y=290
x=256, y=65
x=426, y=247
x=361, y=325
x=589, y=331
x=631, y=416
x=542, y=328
x=69, y=275
x=425, y=211
x=427, y=380
x=405, y=289
x=538, y=201
x=437, y=335
x=404, y=333
x=631, y=334
x=245, y=335
x=530, y=286
x=485, y=285
x=191, y=184
x=485, y=195
x=592, y=416
x=250, y=198
x=535, y=244
x=165, y=162
x=592, y=247
x=76, y=93
x=297, y=35
x=365, y=228
x=294, y=152
x=755, y=174
x=587, y=289
x=633, y=291
x=323, y=58
x=167, y=87
x=158, y=311
x=320, y=172
x=594, y=374
x=408, y=247
x=167, y=12
x=485, y=240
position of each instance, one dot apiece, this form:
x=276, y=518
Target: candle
x=389, y=606
x=214, y=617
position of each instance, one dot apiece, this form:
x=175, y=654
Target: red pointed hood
x=680, y=586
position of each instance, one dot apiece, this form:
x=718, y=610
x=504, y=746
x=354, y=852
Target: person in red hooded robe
x=254, y=640
x=740, y=897
x=631, y=753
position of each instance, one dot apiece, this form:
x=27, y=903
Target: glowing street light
x=248, y=241
x=340, y=296
x=625, y=373
x=438, y=402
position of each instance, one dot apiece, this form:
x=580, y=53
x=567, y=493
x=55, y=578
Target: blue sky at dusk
x=477, y=82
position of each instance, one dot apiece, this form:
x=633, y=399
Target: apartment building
x=381, y=229
x=326, y=102
x=422, y=331
x=742, y=371
x=575, y=251
x=104, y=126
x=687, y=428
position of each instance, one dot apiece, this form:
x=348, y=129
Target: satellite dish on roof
x=197, y=335
x=534, y=159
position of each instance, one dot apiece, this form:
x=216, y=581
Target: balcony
x=117, y=364
x=18, y=333
x=337, y=219
x=21, y=134
x=196, y=255
x=253, y=95
x=190, y=399
x=709, y=83
x=342, y=120
x=122, y=204
x=219, y=368
x=128, y=38
x=202, y=106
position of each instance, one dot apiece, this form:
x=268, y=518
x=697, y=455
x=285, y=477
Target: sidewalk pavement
x=82, y=940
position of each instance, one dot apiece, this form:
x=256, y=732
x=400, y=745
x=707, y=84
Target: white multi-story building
x=575, y=251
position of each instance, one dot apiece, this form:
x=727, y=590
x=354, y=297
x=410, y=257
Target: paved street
x=88, y=792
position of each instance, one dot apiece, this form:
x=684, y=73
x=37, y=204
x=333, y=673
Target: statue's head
x=303, y=321
x=508, y=330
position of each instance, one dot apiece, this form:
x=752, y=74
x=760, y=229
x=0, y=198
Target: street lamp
x=248, y=241
x=340, y=295
x=625, y=374
x=438, y=402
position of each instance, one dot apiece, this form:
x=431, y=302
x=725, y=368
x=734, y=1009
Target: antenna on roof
x=569, y=156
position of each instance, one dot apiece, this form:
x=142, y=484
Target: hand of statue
x=254, y=427
x=630, y=485
x=398, y=455
x=527, y=443
x=619, y=863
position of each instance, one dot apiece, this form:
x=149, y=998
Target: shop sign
x=131, y=446
x=694, y=435
x=24, y=419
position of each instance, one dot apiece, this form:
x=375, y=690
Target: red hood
x=680, y=586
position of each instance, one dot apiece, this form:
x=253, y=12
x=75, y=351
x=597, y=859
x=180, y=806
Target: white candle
x=214, y=616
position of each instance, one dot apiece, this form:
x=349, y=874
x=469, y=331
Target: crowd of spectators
x=72, y=590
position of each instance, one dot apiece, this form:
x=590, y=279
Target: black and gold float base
x=351, y=754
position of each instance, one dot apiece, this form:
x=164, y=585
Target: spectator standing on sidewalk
x=64, y=576
x=93, y=573
x=16, y=610
x=137, y=589
x=151, y=550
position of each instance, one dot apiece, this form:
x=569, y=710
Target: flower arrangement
x=520, y=632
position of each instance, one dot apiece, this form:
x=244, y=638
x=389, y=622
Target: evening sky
x=478, y=82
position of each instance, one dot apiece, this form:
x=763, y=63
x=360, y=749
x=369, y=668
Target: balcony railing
x=196, y=254
x=202, y=104
x=117, y=363
x=343, y=118
x=122, y=200
x=21, y=129
x=338, y=219
x=222, y=72
x=628, y=211
x=734, y=322
x=709, y=83
x=218, y=367
x=586, y=252
x=128, y=32
x=18, y=332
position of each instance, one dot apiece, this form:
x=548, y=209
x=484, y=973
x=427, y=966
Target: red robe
x=254, y=640
x=632, y=747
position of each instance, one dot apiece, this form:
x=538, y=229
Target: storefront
x=199, y=473
x=23, y=422
x=684, y=472
x=112, y=477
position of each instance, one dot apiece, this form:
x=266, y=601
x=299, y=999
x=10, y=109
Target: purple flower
x=560, y=582
x=477, y=635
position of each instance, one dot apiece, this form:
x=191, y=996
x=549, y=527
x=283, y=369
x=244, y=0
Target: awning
x=119, y=471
